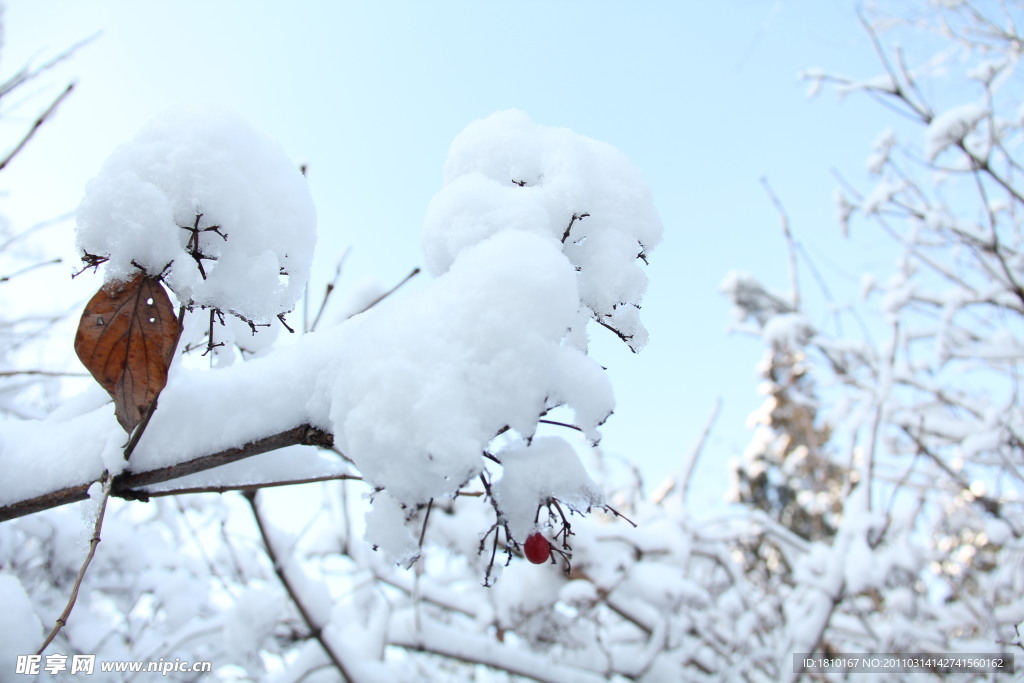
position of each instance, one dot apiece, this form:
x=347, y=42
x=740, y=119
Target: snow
x=987, y=70
x=787, y=330
x=251, y=621
x=507, y=173
x=214, y=163
x=457, y=643
x=414, y=390
x=417, y=388
x=18, y=622
x=534, y=473
x=951, y=127
x=423, y=387
x=882, y=193
x=880, y=151
x=386, y=529
x=51, y=454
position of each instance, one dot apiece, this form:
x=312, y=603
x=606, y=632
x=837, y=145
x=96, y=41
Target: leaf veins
x=126, y=339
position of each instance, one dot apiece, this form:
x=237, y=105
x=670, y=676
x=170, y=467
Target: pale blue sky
x=703, y=97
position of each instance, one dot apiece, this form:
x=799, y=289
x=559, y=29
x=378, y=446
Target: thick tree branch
x=125, y=485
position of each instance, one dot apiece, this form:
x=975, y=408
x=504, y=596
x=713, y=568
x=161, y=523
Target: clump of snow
x=506, y=172
x=787, y=330
x=880, y=151
x=386, y=529
x=987, y=70
x=883, y=193
x=951, y=127
x=201, y=169
x=425, y=383
x=546, y=468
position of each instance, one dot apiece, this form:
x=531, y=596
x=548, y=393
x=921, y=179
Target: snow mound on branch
x=507, y=173
x=418, y=389
x=787, y=330
x=951, y=127
x=425, y=382
x=209, y=162
x=533, y=474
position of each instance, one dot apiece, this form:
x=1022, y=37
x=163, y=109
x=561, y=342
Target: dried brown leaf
x=126, y=339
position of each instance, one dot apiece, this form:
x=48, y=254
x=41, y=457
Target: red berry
x=537, y=549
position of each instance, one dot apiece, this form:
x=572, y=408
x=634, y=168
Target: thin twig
x=790, y=242
x=41, y=225
x=26, y=74
x=694, y=455
x=364, y=309
x=36, y=126
x=42, y=373
x=316, y=629
x=426, y=519
x=62, y=620
x=560, y=424
x=141, y=493
x=327, y=292
x=137, y=433
x=28, y=269
x=568, y=228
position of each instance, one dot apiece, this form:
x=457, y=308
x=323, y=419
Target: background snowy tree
x=925, y=406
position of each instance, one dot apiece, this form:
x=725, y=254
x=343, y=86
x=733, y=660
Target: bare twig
x=411, y=275
x=28, y=269
x=990, y=505
x=560, y=424
x=36, y=126
x=686, y=472
x=618, y=333
x=26, y=74
x=41, y=225
x=42, y=373
x=790, y=242
x=62, y=620
x=426, y=519
x=568, y=228
x=327, y=292
x=140, y=494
